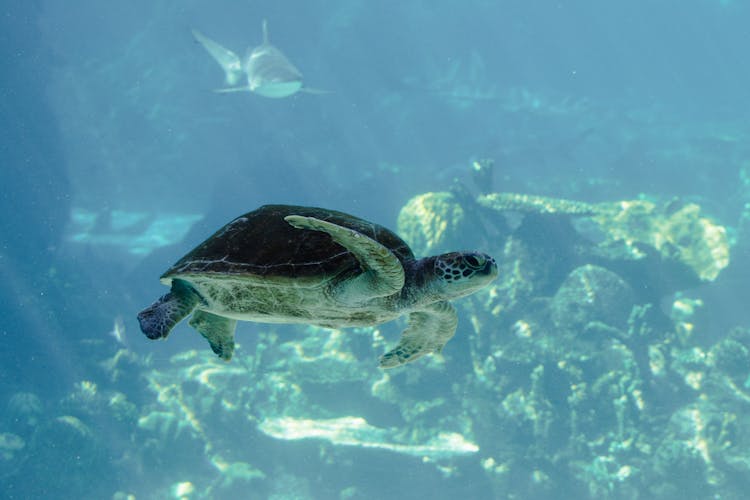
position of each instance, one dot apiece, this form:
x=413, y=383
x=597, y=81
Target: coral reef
x=584, y=367
x=355, y=431
x=431, y=222
x=677, y=232
x=535, y=204
x=568, y=380
x=661, y=247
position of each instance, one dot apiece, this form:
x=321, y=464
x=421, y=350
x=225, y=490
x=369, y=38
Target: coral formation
x=677, y=232
x=431, y=222
x=572, y=377
x=535, y=204
x=670, y=246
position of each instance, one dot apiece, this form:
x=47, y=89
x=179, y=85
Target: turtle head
x=462, y=273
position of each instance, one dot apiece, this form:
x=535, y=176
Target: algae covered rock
x=592, y=294
x=24, y=409
x=431, y=223
x=528, y=203
x=677, y=233
x=9, y=445
x=696, y=436
x=324, y=356
x=663, y=247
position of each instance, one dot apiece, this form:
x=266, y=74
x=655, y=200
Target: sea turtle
x=293, y=264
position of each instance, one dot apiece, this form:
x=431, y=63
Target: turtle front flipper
x=428, y=332
x=382, y=274
x=218, y=330
x=158, y=319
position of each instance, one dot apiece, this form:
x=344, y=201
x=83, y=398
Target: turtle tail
x=158, y=319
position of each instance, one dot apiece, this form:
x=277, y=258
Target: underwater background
x=600, y=151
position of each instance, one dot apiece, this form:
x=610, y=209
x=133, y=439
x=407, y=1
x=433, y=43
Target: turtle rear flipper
x=383, y=273
x=218, y=330
x=158, y=319
x=428, y=331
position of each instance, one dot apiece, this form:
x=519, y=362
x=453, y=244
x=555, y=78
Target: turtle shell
x=262, y=244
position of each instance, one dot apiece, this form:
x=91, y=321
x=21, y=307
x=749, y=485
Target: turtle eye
x=475, y=261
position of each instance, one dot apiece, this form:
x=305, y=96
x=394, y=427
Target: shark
x=268, y=71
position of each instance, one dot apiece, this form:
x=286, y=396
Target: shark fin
x=227, y=59
x=311, y=90
x=232, y=89
x=265, y=32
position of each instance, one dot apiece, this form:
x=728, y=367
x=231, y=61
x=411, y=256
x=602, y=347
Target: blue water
x=118, y=158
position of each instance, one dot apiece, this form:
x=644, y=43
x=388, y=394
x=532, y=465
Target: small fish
x=118, y=330
x=269, y=72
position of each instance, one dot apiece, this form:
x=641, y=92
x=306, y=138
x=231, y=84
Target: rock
x=681, y=234
x=592, y=294
x=527, y=203
x=431, y=223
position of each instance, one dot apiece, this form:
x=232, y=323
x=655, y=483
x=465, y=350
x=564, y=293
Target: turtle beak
x=481, y=264
x=489, y=269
